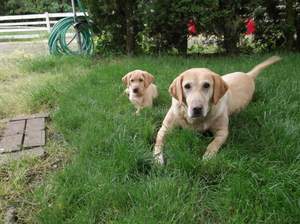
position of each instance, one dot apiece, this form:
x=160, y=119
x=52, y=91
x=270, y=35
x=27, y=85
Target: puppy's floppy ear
x=148, y=78
x=126, y=79
x=220, y=88
x=175, y=89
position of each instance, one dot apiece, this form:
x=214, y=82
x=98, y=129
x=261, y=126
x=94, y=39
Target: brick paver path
x=23, y=136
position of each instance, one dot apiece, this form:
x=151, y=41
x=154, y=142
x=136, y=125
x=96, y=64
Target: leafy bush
x=105, y=45
x=145, y=42
x=269, y=33
x=13, y=7
x=154, y=26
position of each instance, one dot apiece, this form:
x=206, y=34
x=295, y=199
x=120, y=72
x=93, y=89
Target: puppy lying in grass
x=140, y=89
x=203, y=100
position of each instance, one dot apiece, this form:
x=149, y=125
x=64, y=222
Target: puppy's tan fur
x=217, y=97
x=142, y=82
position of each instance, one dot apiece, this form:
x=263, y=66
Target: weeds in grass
x=19, y=179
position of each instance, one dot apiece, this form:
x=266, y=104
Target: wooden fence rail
x=18, y=24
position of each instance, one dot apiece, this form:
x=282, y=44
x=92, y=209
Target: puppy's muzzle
x=197, y=111
x=136, y=90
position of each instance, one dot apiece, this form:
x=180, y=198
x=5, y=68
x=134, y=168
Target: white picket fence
x=15, y=26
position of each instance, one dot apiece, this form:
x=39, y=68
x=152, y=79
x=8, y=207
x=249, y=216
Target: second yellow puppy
x=140, y=88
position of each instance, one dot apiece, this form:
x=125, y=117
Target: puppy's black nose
x=197, y=111
x=136, y=90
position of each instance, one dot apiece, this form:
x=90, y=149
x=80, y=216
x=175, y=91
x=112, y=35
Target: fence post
x=48, y=22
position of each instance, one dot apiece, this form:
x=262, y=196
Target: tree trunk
x=182, y=44
x=130, y=35
x=62, y=6
x=290, y=24
x=231, y=37
x=230, y=27
x=298, y=33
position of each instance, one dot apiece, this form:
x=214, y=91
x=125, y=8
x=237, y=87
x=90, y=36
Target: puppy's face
x=198, y=89
x=137, y=81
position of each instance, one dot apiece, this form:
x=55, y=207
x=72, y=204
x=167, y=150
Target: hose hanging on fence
x=58, y=43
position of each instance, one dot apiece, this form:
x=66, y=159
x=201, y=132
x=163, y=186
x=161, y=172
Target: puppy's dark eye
x=131, y=80
x=140, y=80
x=187, y=86
x=206, y=85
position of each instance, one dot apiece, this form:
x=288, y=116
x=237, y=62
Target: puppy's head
x=198, y=89
x=137, y=81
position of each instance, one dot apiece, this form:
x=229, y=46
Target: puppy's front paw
x=159, y=159
x=209, y=155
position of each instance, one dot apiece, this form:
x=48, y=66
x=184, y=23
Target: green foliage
x=111, y=18
x=145, y=41
x=112, y=178
x=154, y=26
x=161, y=26
x=201, y=49
x=269, y=31
x=270, y=41
x=167, y=21
x=104, y=43
x=265, y=43
x=16, y=7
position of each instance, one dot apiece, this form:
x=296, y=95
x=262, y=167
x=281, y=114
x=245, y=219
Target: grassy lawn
x=19, y=84
x=255, y=178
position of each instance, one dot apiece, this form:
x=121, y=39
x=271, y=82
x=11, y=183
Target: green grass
x=255, y=178
x=20, y=78
x=23, y=76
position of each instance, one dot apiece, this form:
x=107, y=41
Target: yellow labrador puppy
x=203, y=100
x=140, y=88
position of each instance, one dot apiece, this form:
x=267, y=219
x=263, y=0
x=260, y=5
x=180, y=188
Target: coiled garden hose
x=58, y=43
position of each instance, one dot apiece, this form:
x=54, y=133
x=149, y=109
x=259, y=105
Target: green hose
x=57, y=41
